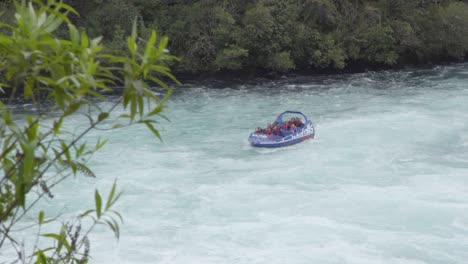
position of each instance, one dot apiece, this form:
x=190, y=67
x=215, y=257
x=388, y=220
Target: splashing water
x=385, y=180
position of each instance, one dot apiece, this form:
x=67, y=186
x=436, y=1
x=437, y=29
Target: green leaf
x=84, y=40
x=52, y=23
x=72, y=108
x=125, y=116
x=85, y=170
x=61, y=239
x=131, y=45
x=57, y=126
x=114, y=227
x=150, y=44
x=117, y=213
x=156, y=110
x=86, y=213
x=98, y=200
x=52, y=235
x=110, y=198
x=100, y=143
x=103, y=116
x=151, y=127
x=66, y=151
x=41, y=217
x=44, y=250
x=133, y=107
x=66, y=7
x=41, y=257
x=141, y=106
x=74, y=35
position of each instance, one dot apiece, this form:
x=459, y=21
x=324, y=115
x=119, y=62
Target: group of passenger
x=275, y=128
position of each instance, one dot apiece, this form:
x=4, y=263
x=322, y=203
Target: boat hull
x=280, y=144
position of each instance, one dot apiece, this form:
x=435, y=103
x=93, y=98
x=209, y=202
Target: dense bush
x=282, y=35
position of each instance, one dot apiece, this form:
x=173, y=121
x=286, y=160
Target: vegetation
x=38, y=151
x=282, y=35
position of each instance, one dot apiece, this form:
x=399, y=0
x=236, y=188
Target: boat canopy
x=279, y=119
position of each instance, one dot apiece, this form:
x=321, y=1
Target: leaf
x=66, y=151
x=97, y=198
x=52, y=235
x=156, y=110
x=77, y=166
x=85, y=170
x=115, y=228
x=74, y=35
x=57, y=126
x=61, y=239
x=41, y=257
x=124, y=116
x=66, y=7
x=72, y=108
x=131, y=45
x=41, y=217
x=151, y=127
x=117, y=214
x=52, y=23
x=150, y=44
x=111, y=196
x=95, y=42
x=141, y=106
x=103, y=116
x=84, y=40
x=133, y=107
x=100, y=144
x=44, y=250
x=86, y=213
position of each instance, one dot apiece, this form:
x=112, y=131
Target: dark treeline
x=284, y=35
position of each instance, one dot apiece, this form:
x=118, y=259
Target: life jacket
x=276, y=131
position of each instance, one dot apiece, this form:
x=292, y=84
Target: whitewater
x=384, y=181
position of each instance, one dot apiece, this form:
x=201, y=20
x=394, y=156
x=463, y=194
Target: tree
x=281, y=35
x=67, y=75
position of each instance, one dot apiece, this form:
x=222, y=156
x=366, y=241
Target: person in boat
x=293, y=127
x=259, y=130
x=276, y=130
x=298, y=122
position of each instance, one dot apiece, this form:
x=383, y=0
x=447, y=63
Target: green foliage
x=445, y=31
x=280, y=62
x=214, y=35
x=68, y=74
x=231, y=58
x=377, y=44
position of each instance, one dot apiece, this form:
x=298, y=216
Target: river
x=385, y=180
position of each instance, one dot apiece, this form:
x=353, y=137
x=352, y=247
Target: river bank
x=260, y=75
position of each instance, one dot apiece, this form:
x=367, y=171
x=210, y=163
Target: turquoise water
x=385, y=180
